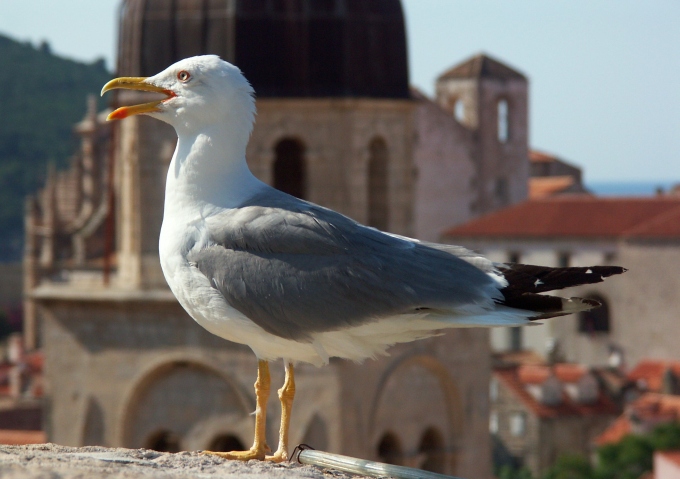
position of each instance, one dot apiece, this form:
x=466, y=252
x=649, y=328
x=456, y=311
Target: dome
x=286, y=48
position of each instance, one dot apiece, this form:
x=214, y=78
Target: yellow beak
x=135, y=83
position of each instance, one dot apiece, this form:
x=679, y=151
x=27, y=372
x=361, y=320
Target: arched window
x=226, y=443
x=503, y=115
x=389, y=449
x=518, y=424
x=596, y=320
x=432, y=446
x=378, y=207
x=459, y=110
x=316, y=434
x=290, y=175
x=94, y=424
x=163, y=441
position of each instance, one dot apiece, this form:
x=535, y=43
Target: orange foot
x=278, y=456
x=252, y=453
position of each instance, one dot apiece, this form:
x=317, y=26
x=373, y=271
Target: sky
x=604, y=75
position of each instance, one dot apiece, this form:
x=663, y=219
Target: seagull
x=299, y=282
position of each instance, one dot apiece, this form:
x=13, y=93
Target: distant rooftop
x=536, y=156
x=651, y=373
x=544, y=186
x=642, y=415
x=518, y=379
x=541, y=157
x=482, y=66
x=581, y=216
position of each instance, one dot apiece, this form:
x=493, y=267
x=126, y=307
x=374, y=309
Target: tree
x=509, y=472
x=43, y=95
x=628, y=459
x=633, y=455
x=570, y=466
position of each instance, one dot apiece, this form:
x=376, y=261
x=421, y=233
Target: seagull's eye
x=184, y=76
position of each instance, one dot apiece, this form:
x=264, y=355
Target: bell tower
x=490, y=99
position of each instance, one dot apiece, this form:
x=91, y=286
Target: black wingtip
x=538, y=279
x=612, y=270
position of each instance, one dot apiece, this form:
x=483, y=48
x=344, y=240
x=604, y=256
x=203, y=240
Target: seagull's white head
x=200, y=92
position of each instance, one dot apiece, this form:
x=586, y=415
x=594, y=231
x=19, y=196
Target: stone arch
x=433, y=447
x=94, y=430
x=163, y=440
x=503, y=114
x=407, y=378
x=168, y=405
x=226, y=443
x=389, y=449
x=378, y=184
x=290, y=168
x=316, y=434
x=459, y=110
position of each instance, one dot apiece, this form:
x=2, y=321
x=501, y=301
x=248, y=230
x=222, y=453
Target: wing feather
x=295, y=268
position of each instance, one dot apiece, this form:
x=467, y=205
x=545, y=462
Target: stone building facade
x=550, y=175
x=540, y=412
x=125, y=365
x=491, y=100
x=638, y=319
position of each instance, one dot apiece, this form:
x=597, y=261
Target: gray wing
x=295, y=268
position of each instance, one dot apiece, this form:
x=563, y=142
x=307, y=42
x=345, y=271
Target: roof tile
x=652, y=372
x=579, y=216
x=20, y=438
x=543, y=186
x=481, y=66
x=517, y=378
x=651, y=408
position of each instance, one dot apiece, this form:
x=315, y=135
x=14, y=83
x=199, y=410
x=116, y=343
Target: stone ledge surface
x=50, y=461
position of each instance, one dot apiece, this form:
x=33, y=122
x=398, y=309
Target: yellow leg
x=260, y=448
x=286, y=396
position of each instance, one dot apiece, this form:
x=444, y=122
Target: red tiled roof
x=579, y=216
x=652, y=408
x=533, y=374
x=541, y=157
x=615, y=432
x=544, y=186
x=514, y=381
x=569, y=373
x=664, y=225
x=652, y=372
x=19, y=438
x=481, y=66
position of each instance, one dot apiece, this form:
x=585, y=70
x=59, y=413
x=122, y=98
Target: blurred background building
x=110, y=358
x=338, y=125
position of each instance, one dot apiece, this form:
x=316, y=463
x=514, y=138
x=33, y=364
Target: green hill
x=42, y=96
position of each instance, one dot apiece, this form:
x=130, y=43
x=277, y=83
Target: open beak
x=135, y=83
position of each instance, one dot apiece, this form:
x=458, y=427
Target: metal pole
x=362, y=466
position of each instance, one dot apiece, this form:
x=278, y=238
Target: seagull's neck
x=209, y=171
